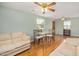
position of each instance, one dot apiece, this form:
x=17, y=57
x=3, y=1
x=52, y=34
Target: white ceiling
x=67, y=9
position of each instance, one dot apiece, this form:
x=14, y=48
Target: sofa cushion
x=77, y=50
x=25, y=38
x=5, y=39
x=5, y=42
x=20, y=39
x=4, y=36
x=20, y=42
x=6, y=48
x=11, y=41
x=17, y=34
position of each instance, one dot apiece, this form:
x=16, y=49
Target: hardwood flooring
x=44, y=48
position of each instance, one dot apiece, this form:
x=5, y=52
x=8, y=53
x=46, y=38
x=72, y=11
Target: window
x=67, y=24
x=40, y=23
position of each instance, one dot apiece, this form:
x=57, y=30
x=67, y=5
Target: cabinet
x=66, y=32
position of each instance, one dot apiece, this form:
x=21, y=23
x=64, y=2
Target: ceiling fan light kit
x=46, y=6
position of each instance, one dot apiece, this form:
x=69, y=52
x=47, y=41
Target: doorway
x=67, y=28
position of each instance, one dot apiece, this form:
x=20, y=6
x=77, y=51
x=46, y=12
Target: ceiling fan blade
x=51, y=4
x=53, y=10
x=37, y=3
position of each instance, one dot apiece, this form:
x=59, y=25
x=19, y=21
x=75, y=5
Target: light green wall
x=17, y=21
x=59, y=27
x=48, y=23
x=74, y=26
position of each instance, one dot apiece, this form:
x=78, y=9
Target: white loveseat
x=13, y=43
x=69, y=47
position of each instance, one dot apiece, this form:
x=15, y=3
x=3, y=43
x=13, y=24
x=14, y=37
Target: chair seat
x=49, y=35
x=39, y=37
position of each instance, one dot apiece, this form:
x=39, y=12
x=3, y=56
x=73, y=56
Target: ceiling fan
x=45, y=6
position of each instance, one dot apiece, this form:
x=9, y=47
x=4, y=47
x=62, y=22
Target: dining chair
x=37, y=36
x=50, y=36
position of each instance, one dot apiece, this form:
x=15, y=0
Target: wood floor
x=44, y=48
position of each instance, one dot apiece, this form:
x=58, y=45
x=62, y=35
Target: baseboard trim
x=58, y=35
x=75, y=36
x=68, y=36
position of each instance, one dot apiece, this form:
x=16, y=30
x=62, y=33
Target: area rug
x=69, y=47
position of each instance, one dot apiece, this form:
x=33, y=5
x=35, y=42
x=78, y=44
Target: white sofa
x=69, y=47
x=13, y=43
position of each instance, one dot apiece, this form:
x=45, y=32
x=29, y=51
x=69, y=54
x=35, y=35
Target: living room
x=19, y=20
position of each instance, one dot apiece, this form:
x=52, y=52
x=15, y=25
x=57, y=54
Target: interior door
x=53, y=27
